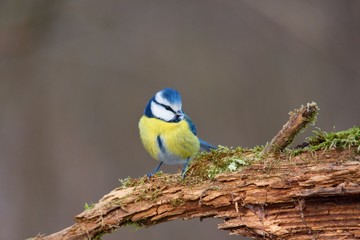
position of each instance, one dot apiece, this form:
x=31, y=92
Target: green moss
x=336, y=140
x=208, y=165
x=89, y=206
x=331, y=140
x=132, y=182
x=149, y=194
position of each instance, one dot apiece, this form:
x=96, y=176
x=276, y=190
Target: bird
x=167, y=133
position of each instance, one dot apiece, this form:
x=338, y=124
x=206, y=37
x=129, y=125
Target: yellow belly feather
x=177, y=138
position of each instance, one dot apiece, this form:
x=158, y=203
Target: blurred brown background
x=76, y=75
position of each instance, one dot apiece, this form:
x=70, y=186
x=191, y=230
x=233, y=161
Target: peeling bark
x=311, y=196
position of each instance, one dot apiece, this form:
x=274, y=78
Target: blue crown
x=171, y=95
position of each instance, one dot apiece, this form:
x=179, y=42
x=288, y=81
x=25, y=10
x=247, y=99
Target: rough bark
x=313, y=196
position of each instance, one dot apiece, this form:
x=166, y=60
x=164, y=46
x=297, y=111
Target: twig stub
x=299, y=120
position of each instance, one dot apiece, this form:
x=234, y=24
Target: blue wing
x=191, y=124
x=205, y=146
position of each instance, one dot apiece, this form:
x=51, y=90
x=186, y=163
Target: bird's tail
x=205, y=146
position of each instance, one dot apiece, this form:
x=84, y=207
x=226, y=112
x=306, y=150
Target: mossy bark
x=315, y=195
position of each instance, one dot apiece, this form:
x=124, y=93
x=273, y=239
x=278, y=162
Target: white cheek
x=159, y=112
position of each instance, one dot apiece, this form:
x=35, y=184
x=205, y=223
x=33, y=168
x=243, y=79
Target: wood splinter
x=299, y=120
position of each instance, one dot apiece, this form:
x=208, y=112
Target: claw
x=149, y=175
x=184, y=169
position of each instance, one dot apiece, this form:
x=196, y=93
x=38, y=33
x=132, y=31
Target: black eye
x=168, y=108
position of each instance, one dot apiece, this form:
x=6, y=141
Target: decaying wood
x=299, y=119
x=315, y=195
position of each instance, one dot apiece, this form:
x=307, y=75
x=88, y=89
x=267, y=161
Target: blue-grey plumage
x=167, y=133
x=205, y=146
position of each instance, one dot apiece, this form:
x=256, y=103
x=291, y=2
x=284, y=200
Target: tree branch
x=314, y=195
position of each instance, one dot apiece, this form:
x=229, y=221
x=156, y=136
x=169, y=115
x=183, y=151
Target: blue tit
x=167, y=133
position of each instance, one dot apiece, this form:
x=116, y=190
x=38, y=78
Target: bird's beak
x=179, y=115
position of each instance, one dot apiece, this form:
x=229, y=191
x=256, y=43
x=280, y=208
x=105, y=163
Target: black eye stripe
x=165, y=106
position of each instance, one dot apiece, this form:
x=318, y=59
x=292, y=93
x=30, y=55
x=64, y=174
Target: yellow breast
x=177, y=138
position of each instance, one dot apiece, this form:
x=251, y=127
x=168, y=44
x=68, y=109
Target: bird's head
x=165, y=105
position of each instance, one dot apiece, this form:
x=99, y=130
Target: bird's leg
x=183, y=171
x=149, y=175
